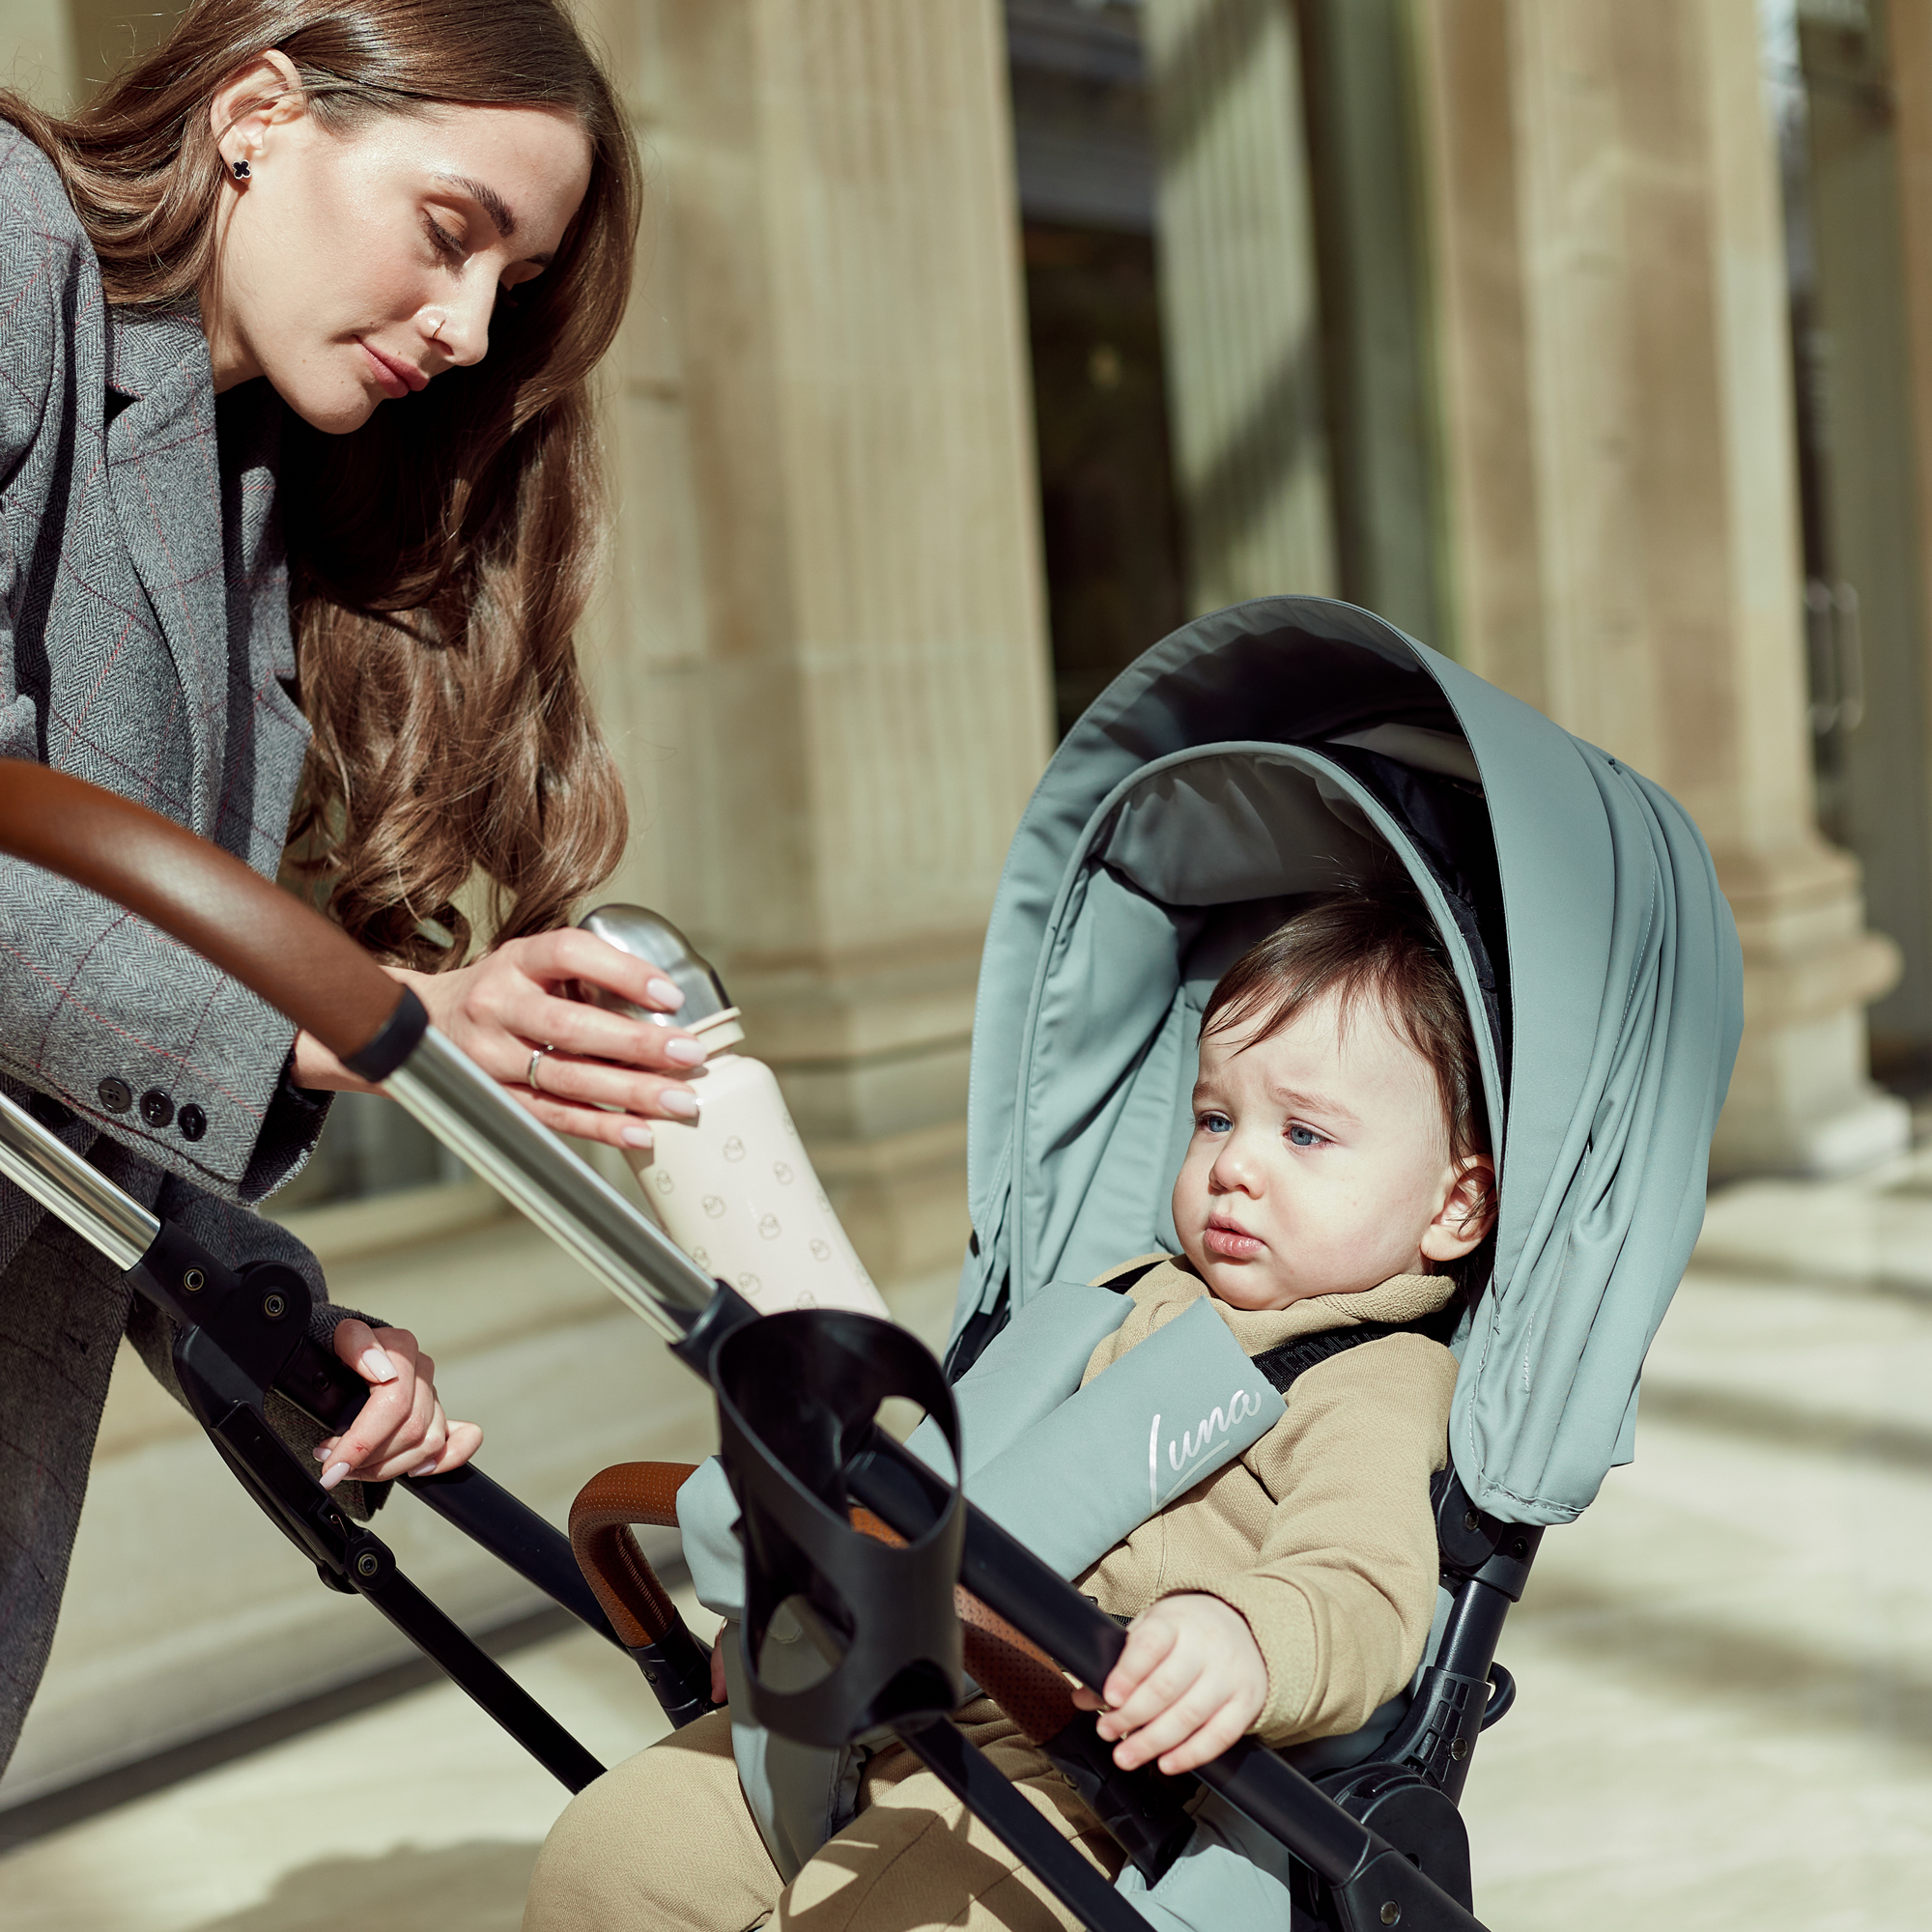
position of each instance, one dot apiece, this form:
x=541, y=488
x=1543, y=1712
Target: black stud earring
x=241, y=171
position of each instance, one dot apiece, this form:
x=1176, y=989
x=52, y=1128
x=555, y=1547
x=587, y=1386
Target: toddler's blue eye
x=1214, y=1123
x=1302, y=1137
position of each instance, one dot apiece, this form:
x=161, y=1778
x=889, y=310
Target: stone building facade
x=1477, y=312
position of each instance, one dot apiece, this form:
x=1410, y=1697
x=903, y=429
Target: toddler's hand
x=1189, y=1683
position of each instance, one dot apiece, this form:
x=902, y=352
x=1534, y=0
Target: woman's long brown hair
x=441, y=555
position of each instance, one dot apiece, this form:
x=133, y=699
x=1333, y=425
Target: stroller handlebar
x=278, y=947
x=313, y=973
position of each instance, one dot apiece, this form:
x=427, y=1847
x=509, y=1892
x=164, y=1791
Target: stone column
x=1866, y=539
x=1373, y=261
x=1910, y=104
x=824, y=653
x=1239, y=323
x=1910, y=36
x=1621, y=477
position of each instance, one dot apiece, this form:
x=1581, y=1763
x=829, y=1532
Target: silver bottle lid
x=649, y=935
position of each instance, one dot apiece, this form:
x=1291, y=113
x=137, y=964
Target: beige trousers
x=666, y=1841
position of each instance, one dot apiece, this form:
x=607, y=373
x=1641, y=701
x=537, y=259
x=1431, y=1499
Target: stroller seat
x=1256, y=757
x=1243, y=762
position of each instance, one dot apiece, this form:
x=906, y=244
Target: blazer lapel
x=164, y=476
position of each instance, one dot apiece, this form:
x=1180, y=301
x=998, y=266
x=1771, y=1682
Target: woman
x=297, y=513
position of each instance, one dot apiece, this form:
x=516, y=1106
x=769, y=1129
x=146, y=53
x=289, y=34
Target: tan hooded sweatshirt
x=1321, y=1535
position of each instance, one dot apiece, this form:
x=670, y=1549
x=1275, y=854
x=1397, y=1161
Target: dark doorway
x=1083, y=148
x=1113, y=550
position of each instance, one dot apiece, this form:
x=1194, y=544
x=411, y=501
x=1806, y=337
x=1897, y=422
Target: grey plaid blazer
x=145, y=646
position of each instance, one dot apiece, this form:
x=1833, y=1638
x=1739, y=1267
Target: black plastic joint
x=1392, y=1892
x=1143, y=1811
x=395, y=1040
x=726, y=1311
x=679, y=1673
x=1473, y=1543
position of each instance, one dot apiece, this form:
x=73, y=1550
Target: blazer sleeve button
x=192, y=1122
x=116, y=1095
x=49, y=1112
x=157, y=1109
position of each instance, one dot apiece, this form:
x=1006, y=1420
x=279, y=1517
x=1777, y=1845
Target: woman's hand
x=509, y=1003
x=1190, y=1682
x=401, y=1429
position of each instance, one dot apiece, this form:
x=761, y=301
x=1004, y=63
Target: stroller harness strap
x=1289, y=1360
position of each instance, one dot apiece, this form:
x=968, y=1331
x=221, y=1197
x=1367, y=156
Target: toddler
x=1337, y=1180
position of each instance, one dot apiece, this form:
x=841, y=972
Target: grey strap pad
x=1025, y=1372
x=1175, y=1408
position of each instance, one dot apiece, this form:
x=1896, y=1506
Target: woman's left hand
x=401, y=1429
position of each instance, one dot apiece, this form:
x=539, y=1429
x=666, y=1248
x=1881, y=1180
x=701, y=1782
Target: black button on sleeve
x=116, y=1095
x=157, y=1109
x=192, y=1122
x=49, y=1112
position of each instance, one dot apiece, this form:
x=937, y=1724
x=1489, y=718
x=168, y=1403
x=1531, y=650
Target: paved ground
x=1725, y=1718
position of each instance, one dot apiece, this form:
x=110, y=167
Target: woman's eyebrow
x=487, y=198
x=493, y=206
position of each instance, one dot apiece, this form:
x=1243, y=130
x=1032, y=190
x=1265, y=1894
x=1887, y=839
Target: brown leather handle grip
x=1013, y=1670
x=1020, y=1677
x=288, y=953
x=617, y=1570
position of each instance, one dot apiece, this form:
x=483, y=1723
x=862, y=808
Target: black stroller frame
x=1380, y=1843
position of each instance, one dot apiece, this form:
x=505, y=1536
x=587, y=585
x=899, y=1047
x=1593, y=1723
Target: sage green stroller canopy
x=1269, y=751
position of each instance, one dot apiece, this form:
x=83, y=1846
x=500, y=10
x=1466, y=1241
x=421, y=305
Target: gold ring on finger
x=536, y=1059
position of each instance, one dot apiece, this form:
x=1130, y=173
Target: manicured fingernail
x=334, y=1474
x=637, y=1136
x=677, y=1102
x=426, y=1468
x=323, y=1451
x=376, y=1367
x=668, y=997
x=683, y=1052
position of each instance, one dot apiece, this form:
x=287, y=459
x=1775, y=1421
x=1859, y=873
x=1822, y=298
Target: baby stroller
x=1250, y=760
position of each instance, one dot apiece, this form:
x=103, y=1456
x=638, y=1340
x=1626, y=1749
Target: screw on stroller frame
x=232, y=1353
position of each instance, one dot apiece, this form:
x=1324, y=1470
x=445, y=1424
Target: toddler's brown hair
x=1370, y=940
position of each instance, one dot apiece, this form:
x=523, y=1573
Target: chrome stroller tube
x=48, y=1170
x=529, y=1166
x=467, y=1111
